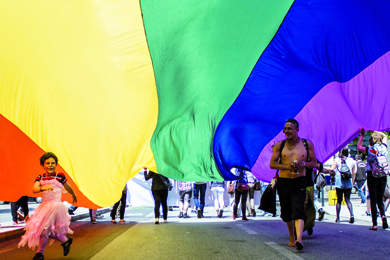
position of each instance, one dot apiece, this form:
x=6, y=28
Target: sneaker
x=321, y=213
x=185, y=215
x=38, y=256
x=15, y=222
x=254, y=212
x=93, y=221
x=220, y=213
x=368, y=214
x=234, y=217
x=352, y=220
x=66, y=245
x=244, y=219
x=199, y=213
x=310, y=231
x=20, y=215
x=113, y=221
x=122, y=221
x=180, y=215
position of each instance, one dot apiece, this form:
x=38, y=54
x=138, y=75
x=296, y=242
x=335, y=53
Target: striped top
x=60, y=177
x=184, y=185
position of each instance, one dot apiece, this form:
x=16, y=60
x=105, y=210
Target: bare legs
x=183, y=207
x=299, y=224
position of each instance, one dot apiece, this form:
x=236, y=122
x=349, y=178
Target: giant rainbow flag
x=187, y=88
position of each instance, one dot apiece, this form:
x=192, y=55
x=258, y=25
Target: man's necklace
x=290, y=145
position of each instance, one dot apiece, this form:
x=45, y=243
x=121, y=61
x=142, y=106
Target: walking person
x=251, y=195
x=122, y=203
x=218, y=190
x=344, y=185
x=160, y=193
x=50, y=219
x=230, y=191
x=290, y=156
x=92, y=215
x=23, y=203
x=241, y=189
x=361, y=178
x=185, y=193
x=376, y=185
x=199, y=197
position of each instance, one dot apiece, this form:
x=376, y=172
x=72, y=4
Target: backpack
x=166, y=181
x=380, y=167
x=345, y=171
x=361, y=171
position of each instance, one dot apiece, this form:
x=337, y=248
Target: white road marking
x=246, y=229
x=150, y=215
x=134, y=214
x=284, y=251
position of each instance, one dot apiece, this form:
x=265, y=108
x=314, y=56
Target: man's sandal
x=298, y=245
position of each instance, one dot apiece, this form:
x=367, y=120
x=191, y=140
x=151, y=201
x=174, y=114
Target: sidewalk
x=9, y=231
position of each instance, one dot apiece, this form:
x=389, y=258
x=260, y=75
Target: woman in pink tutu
x=50, y=219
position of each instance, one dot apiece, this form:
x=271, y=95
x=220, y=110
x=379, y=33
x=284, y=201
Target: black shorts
x=292, y=196
x=185, y=195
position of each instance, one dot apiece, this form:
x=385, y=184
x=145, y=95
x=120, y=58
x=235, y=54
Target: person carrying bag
x=241, y=190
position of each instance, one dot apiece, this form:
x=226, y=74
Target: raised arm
x=148, y=174
x=360, y=146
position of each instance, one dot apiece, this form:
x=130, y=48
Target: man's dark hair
x=293, y=121
x=344, y=152
x=47, y=156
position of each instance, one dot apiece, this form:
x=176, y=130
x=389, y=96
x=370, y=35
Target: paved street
x=263, y=237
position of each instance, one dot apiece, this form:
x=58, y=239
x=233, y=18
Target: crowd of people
x=297, y=172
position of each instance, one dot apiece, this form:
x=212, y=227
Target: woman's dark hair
x=47, y=156
x=344, y=152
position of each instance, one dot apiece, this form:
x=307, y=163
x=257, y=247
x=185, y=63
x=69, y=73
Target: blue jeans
x=361, y=193
x=199, y=195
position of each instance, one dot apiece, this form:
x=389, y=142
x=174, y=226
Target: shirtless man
x=291, y=185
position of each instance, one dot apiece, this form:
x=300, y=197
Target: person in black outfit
x=160, y=193
x=376, y=186
x=121, y=210
x=22, y=202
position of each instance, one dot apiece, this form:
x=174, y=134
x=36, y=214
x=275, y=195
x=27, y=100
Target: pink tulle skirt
x=51, y=218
